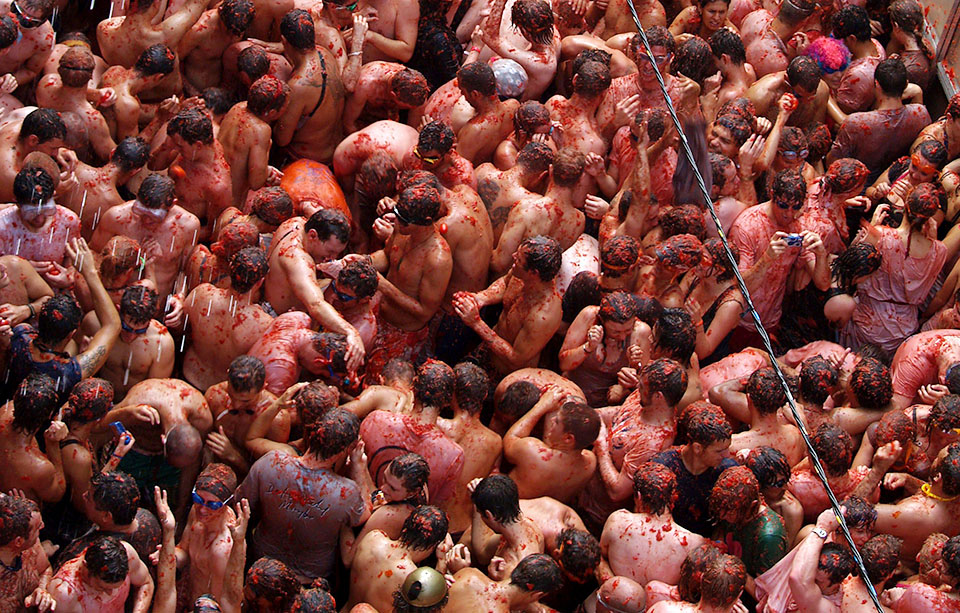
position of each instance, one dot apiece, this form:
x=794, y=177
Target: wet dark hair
x=411, y=88
x=246, y=373
x=740, y=129
x=218, y=480
x=156, y=191
x=537, y=573
x=895, y=426
x=238, y=235
x=859, y=513
x=789, y=186
x=837, y=561
x=803, y=71
x=434, y=384
x=115, y=493
x=45, y=124
x=713, y=247
x=360, y=276
x=704, y=423
x=274, y=581
x=314, y=400
x=819, y=142
x=736, y=490
x=267, y=94
x=35, y=403
x=333, y=346
x=657, y=36
x=76, y=67
x=518, y=399
x=253, y=62
x=59, y=317
x=617, y=307
x=534, y=157
x=934, y=151
x=247, y=268
x=156, y=59
x=740, y=107
x=534, y=19
x=835, y=448
x=870, y=350
x=314, y=600
x=719, y=163
x=568, y=167
x=769, y=466
x=412, y=470
x=471, y=385
x=723, y=581
x=675, y=335
x=951, y=557
x=726, y=41
x=543, y=256
x=591, y=55
x=131, y=153
x=419, y=205
x=792, y=139
x=656, y=487
x=106, y=559
x=852, y=21
x=298, y=29
x=949, y=471
x=591, y=79
x=425, y=528
x=818, y=377
x=15, y=514
x=683, y=219
x=667, y=377
x=333, y=433
x=579, y=552
x=327, y=223
x=692, y=569
x=32, y=185
x=89, y=400
x=764, y=391
x=237, y=15
x=583, y=291
x=272, y=204
x=924, y=201
x=694, y=59
x=413, y=178
x=845, y=175
x=478, y=77
x=193, y=126
x=944, y=414
x=619, y=253
x=499, y=495
x=217, y=100
x=398, y=369
x=881, y=555
x=580, y=420
x=9, y=31
x=436, y=136
x=529, y=116
x=870, y=381
x=891, y=75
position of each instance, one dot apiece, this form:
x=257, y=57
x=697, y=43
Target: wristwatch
x=820, y=532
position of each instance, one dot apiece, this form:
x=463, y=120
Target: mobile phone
x=793, y=240
x=116, y=425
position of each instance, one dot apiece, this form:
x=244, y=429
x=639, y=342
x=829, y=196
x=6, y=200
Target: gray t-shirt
x=301, y=510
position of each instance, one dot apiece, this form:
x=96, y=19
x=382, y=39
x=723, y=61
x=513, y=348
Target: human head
x=792, y=150
x=674, y=335
x=272, y=205
x=803, y=76
x=694, y=59
x=76, y=67
x=881, y=556
x=735, y=497
x=726, y=179
x=417, y=208
x=818, y=379
x=692, y=569
x=182, y=446
x=236, y=15
x=617, y=313
x=568, y=167
x=405, y=477
x=192, y=127
x=358, y=278
x=435, y=141
x=950, y=567
x=314, y=600
x=530, y=118
x=154, y=199
x=926, y=161
x=706, y=430
x=861, y=517
x=33, y=189
x=583, y=291
x=314, y=400
x=35, y=403
x=871, y=384
x=15, y=522
x=105, y=561
x=214, y=486
x=534, y=20
x=891, y=77
x=327, y=232
x=944, y=415
x=771, y=469
x=577, y=553
x=138, y=305
x=619, y=255
x=835, y=448
x=591, y=80
x=923, y=202
x=574, y=425
x=267, y=97
x=655, y=487
x=497, y=500
x=270, y=586
x=835, y=564
x=716, y=260
x=723, y=580
x=832, y=58
x=727, y=46
x=852, y=24
x=245, y=378
x=59, y=318
x=517, y=400
x=540, y=255
x=297, y=30
x=333, y=433
x=89, y=401
x=156, y=61
x=424, y=529
x=113, y=498
x=819, y=140
x=477, y=78
x=764, y=391
x=538, y=574
x=727, y=134
x=845, y=176
x=896, y=426
x=9, y=31
x=252, y=63
x=946, y=468
x=326, y=356
x=434, y=384
x=788, y=194
x=534, y=158
x=471, y=385
x=130, y=155
x=43, y=130
x=409, y=88
x=662, y=381
x=793, y=12
x=662, y=46
x=683, y=219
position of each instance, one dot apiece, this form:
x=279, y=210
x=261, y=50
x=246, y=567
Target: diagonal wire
x=814, y=459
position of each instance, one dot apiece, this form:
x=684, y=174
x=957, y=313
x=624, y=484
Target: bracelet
x=820, y=532
x=119, y=457
x=33, y=311
x=472, y=49
x=354, y=53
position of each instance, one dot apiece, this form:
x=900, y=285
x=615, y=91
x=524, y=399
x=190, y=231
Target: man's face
x=324, y=250
x=645, y=68
x=803, y=94
x=827, y=587
x=618, y=331
x=921, y=169
x=242, y=400
x=429, y=159
x=132, y=329
x=393, y=488
x=713, y=454
x=37, y=214
x=148, y=216
x=27, y=17
x=731, y=180
x=785, y=210
x=721, y=141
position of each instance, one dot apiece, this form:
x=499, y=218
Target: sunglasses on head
x=25, y=21
x=213, y=505
x=792, y=156
x=340, y=295
x=660, y=59
x=427, y=159
x=348, y=7
x=127, y=328
x=786, y=206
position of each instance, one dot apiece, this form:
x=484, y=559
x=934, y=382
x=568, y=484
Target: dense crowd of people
x=397, y=306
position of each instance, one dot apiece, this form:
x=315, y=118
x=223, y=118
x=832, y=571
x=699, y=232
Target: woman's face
x=714, y=15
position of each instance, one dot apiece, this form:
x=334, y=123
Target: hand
x=635, y=356
x=595, y=207
x=164, y=514
x=750, y=152
x=8, y=84
x=876, y=28
x=467, y=309
x=594, y=338
x=712, y=84
x=67, y=160
x=14, y=314
x=239, y=529
x=739, y=607
x=929, y=394
x=174, y=312
x=285, y=400
x=894, y=481
x=930, y=229
x=626, y=110
x=145, y=413
x=627, y=377
x=360, y=27
x=220, y=445
x=887, y=455
x=383, y=227
x=124, y=444
x=602, y=4
x=274, y=176
x=788, y=103
x=579, y=7
x=473, y=485
x=764, y=126
x=457, y=558
x=692, y=305
x=55, y=432
x=358, y=457
x=497, y=568
x=476, y=37
x=812, y=242
x=78, y=251
x=424, y=121
x=58, y=277
x=168, y=107
x=108, y=96
x=858, y=202
x=41, y=599
x=594, y=166
x=827, y=521
x=778, y=244
x=881, y=190
x=385, y=205
x=355, y=351
x=880, y=214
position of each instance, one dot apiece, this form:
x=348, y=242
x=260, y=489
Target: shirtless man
x=154, y=216
x=415, y=267
x=921, y=596
x=720, y=587
x=392, y=34
x=394, y=392
x=648, y=535
x=500, y=536
x=151, y=67
x=436, y=153
x=925, y=358
x=246, y=136
x=381, y=563
x=802, y=78
x=481, y=445
x=168, y=419
x=291, y=282
x=531, y=307
x=102, y=580
x=814, y=585
x=196, y=161
x=761, y=396
x=765, y=35
x=383, y=89
x=310, y=127
x=502, y=190
x=226, y=322
x=617, y=18
x=96, y=188
x=41, y=130
x=22, y=550
x=212, y=264
x=881, y=557
x=235, y=403
x=731, y=59
x=144, y=349
x=561, y=463
x=22, y=291
x=577, y=114
x=540, y=46
x=39, y=475
x=534, y=577
x=67, y=91
x=395, y=139
x=202, y=47
x=479, y=137
x=25, y=58
x=556, y=214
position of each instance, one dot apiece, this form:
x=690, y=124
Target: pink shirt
x=277, y=349
x=915, y=362
x=856, y=90
x=47, y=245
x=828, y=221
x=877, y=138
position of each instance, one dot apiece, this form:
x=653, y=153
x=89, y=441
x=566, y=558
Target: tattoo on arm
x=91, y=361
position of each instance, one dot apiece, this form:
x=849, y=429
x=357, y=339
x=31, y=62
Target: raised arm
x=256, y=440
x=95, y=356
x=803, y=571
x=165, y=600
x=513, y=440
x=176, y=26
x=729, y=396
